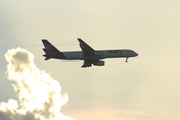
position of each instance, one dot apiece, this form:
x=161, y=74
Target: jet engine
x=99, y=63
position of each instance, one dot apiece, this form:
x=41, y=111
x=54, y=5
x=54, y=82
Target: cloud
x=39, y=95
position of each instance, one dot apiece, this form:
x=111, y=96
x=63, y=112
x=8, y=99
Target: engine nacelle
x=99, y=63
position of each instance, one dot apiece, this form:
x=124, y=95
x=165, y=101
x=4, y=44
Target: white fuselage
x=101, y=54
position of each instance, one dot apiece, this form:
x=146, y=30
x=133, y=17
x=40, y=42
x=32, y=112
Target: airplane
x=88, y=54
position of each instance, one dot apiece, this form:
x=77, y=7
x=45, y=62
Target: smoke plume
x=39, y=95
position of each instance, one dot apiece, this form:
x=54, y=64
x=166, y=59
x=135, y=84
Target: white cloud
x=39, y=96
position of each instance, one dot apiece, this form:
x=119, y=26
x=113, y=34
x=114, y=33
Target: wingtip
x=44, y=39
x=79, y=39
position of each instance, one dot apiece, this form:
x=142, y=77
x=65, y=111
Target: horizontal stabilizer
x=49, y=52
x=46, y=57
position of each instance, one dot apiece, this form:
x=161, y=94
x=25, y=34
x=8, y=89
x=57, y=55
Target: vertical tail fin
x=51, y=51
x=48, y=46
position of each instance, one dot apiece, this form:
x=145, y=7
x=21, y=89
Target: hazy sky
x=145, y=88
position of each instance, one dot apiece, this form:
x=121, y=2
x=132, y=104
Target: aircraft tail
x=51, y=51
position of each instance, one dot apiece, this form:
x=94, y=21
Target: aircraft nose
x=136, y=54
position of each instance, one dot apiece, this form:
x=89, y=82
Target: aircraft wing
x=87, y=50
x=88, y=53
x=87, y=63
